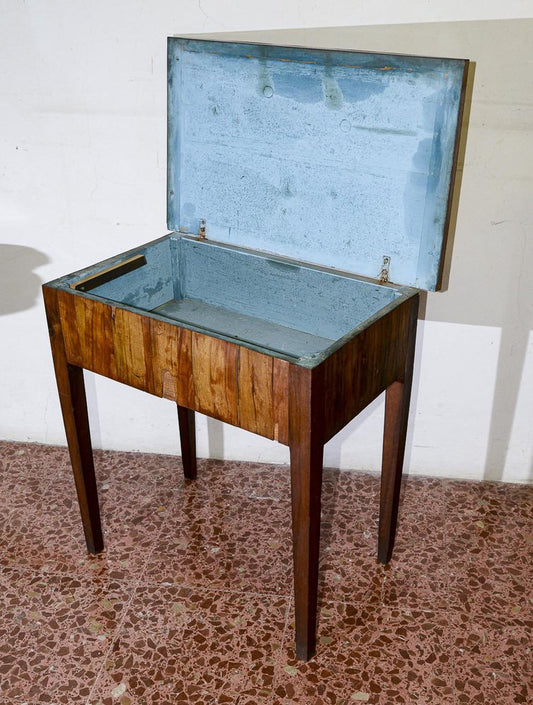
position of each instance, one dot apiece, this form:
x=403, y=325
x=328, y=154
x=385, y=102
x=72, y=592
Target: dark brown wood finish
x=453, y=188
x=360, y=370
x=397, y=400
x=297, y=406
x=188, y=441
x=109, y=273
x=224, y=380
x=280, y=391
x=306, y=409
x=73, y=402
x=302, y=403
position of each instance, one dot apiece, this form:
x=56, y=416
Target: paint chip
x=360, y=696
x=290, y=670
x=119, y=690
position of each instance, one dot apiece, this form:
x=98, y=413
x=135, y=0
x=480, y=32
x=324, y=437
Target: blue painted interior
x=239, y=327
x=268, y=303
x=313, y=301
x=144, y=288
x=336, y=158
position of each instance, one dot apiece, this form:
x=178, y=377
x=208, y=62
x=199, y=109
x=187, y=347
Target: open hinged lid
x=333, y=157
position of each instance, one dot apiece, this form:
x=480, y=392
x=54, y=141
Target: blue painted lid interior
x=333, y=157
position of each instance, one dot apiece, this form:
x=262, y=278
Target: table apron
x=225, y=380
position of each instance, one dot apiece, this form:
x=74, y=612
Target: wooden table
x=343, y=159
x=298, y=406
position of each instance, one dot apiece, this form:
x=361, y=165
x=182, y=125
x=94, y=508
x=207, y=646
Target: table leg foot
x=188, y=441
x=397, y=398
x=306, y=481
x=391, y=473
x=306, y=452
x=73, y=401
x=79, y=442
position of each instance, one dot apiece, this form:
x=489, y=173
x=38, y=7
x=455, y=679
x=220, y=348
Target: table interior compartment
x=280, y=305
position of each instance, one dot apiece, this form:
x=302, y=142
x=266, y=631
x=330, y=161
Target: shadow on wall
x=491, y=285
x=20, y=287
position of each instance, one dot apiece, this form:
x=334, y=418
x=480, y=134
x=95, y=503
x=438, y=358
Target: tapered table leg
x=397, y=398
x=188, y=441
x=306, y=453
x=73, y=401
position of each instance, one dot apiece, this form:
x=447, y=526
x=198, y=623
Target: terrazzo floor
x=191, y=601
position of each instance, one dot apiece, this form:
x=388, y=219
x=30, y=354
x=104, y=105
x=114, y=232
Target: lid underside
x=337, y=158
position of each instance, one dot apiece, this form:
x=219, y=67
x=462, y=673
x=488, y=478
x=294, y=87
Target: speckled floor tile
x=492, y=664
x=483, y=517
x=54, y=631
x=418, y=575
x=489, y=541
x=37, y=670
x=253, y=480
x=356, y=492
x=351, y=577
x=189, y=603
x=233, y=543
x=482, y=589
x=349, y=570
x=373, y=655
x=59, y=603
x=208, y=646
x=53, y=636
x=51, y=539
x=45, y=532
x=23, y=487
x=17, y=479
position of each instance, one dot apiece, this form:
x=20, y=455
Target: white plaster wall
x=82, y=177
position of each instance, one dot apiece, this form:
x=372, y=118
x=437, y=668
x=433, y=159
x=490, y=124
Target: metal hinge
x=384, y=274
x=202, y=229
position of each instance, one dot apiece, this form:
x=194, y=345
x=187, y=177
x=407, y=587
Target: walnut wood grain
x=306, y=407
x=453, y=189
x=172, y=363
x=221, y=379
x=360, y=370
x=187, y=441
x=215, y=374
x=256, y=403
x=280, y=391
x=397, y=401
x=88, y=333
x=132, y=347
x=73, y=402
